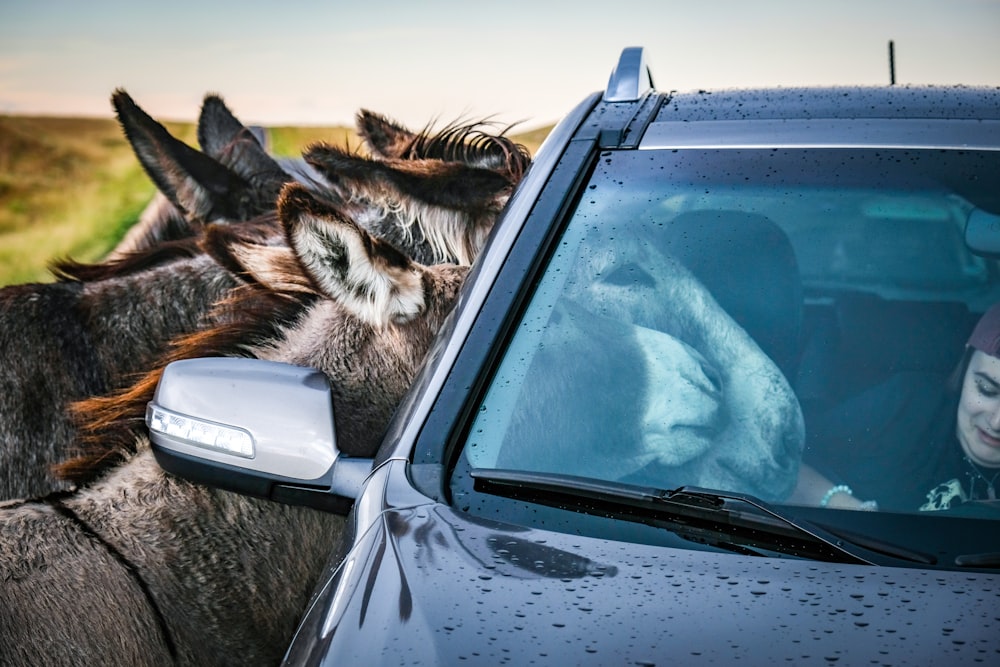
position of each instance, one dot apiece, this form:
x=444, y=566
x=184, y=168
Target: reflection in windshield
x=727, y=334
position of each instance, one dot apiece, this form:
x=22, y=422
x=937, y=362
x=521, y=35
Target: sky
x=316, y=62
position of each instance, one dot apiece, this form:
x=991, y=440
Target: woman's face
x=978, y=427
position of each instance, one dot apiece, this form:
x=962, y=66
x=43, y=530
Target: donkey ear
x=274, y=267
x=242, y=150
x=452, y=185
x=218, y=128
x=369, y=277
x=191, y=180
x=385, y=138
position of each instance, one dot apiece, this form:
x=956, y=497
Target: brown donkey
x=143, y=568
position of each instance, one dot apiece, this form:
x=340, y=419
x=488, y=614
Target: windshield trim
x=964, y=134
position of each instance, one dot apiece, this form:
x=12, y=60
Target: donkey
x=687, y=396
x=86, y=334
x=232, y=180
x=167, y=571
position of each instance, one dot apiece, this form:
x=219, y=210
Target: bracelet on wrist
x=834, y=490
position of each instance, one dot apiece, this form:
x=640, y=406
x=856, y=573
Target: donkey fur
x=142, y=568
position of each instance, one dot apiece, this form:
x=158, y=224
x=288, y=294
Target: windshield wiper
x=986, y=561
x=720, y=518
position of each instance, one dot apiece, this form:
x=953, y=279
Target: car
x=693, y=304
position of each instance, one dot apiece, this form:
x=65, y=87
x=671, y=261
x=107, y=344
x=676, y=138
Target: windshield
x=789, y=324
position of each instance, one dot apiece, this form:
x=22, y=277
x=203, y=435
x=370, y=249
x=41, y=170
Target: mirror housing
x=260, y=428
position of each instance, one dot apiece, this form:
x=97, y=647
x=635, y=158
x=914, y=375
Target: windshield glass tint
x=786, y=323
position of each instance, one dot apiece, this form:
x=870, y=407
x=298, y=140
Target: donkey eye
x=630, y=275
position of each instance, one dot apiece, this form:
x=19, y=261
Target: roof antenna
x=892, y=64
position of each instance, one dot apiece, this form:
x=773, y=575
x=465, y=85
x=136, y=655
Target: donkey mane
x=470, y=142
x=248, y=317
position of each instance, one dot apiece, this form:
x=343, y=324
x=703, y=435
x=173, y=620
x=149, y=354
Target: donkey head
x=741, y=425
x=686, y=396
x=435, y=211
x=434, y=195
x=234, y=179
x=375, y=312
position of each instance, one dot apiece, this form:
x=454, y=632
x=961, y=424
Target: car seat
x=748, y=264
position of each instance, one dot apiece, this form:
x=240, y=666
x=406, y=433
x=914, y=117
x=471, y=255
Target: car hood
x=426, y=585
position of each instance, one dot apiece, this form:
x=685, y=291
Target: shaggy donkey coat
x=143, y=568
x=88, y=334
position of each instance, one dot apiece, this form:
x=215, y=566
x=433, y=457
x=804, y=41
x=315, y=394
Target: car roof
x=946, y=117
x=842, y=102
x=634, y=113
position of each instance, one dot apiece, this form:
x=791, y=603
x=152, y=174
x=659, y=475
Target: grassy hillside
x=71, y=187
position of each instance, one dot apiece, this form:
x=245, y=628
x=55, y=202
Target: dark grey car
x=694, y=306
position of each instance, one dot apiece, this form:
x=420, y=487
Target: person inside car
x=966, y=464
x=915, y=443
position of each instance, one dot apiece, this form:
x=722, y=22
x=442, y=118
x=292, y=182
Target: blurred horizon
x=313, y=63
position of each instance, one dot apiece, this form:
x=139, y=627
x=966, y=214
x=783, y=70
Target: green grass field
x=72, y=187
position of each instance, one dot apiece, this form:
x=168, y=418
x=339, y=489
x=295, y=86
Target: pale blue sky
x=316, y=62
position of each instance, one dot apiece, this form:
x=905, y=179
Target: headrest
x=748, y=264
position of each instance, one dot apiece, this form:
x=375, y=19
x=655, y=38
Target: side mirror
x=256, y=427
x=982, y=233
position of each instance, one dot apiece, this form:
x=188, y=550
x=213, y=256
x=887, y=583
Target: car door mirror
x=260, y=428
